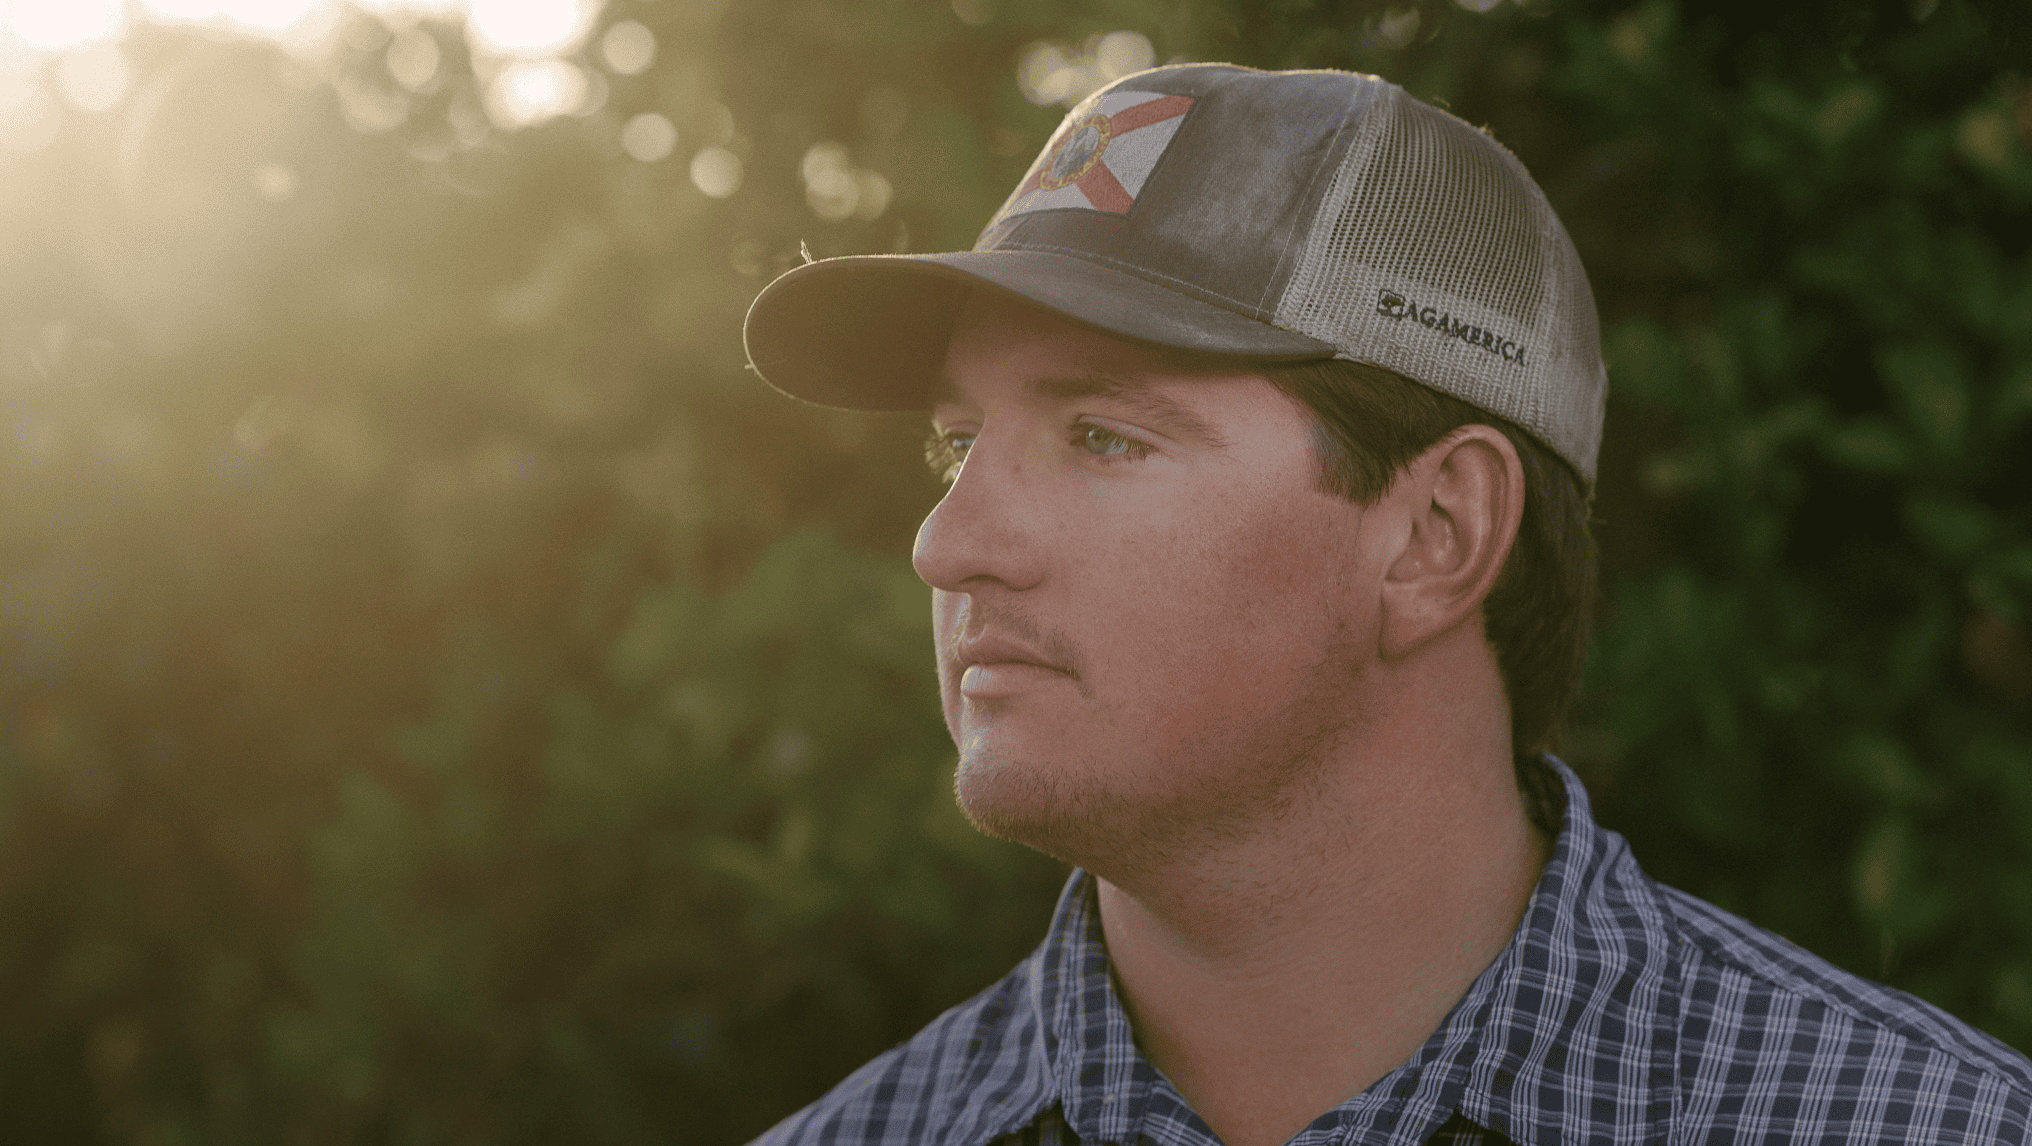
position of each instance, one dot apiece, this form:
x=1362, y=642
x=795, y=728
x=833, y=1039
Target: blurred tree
x=446, y=700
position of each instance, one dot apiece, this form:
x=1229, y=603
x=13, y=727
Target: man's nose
x=982, y=532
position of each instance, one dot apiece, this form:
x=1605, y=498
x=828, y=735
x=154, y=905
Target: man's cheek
x=947, y=617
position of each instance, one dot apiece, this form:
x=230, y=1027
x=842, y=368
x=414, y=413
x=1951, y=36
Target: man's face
x=1150, y=620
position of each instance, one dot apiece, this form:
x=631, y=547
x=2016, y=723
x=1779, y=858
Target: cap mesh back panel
x=1441, y=210
x=1433, y=214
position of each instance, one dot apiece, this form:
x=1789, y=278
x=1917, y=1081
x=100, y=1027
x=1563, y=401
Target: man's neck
x=1287, y=972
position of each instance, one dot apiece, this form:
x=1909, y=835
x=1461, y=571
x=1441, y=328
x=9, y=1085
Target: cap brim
x=869, y=332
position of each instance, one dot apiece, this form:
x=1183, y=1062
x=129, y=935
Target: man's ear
x=1464, y=497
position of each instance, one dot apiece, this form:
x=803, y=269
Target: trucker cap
x=1283, y=216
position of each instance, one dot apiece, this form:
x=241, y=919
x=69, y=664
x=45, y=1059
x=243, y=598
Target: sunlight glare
x=528, y=28
x=402, y=11
x=271, y=17
x=181, y=11
x=289, y=22
x=57, y=26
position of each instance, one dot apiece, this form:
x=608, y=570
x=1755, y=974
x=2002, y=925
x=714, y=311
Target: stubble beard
x=1123, y=819
x=1084, y=809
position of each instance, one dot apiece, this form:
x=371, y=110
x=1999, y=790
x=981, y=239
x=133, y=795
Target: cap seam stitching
x=1287, y=254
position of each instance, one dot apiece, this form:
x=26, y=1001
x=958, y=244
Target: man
x=1270, y=405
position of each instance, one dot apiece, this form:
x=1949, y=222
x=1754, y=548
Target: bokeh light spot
x=717, y=172
x=1630, y=37
x=1479, y=5
x=413, y=58
x=529, y=28
x=369, y=108
x=1984, y=137
x=649, y=137
x=1050, y=73
x=93, y=79
x=836, y=190
x=263, y=423
x=628, y=48
x=875, y=194
x=830, y=189
x=973, y=13
x=276, y=182
x=1046, y=74
x=55, y=25
x=1123, y=53
x=529, y=92
x=1397, y=27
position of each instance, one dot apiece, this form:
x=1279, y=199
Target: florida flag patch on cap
x=1102, y=154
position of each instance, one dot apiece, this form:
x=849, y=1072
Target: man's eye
x=945, y=452
x=1102, y=442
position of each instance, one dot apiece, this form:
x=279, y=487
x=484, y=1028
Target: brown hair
x=1369, y=423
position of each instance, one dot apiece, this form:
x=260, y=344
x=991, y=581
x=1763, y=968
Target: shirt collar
x=1564, y=1038
x=1570, y=1035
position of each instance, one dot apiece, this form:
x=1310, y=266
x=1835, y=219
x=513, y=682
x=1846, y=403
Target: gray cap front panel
x=1226, y=207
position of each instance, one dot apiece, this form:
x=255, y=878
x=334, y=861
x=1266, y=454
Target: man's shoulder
x=969, y=1075
x=1772, y=1034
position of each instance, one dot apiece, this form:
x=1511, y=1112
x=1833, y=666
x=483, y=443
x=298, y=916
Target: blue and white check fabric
x=1623, y=1011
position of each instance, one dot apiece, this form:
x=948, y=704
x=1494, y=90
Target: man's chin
x=1016, y=802
x=1084, y=825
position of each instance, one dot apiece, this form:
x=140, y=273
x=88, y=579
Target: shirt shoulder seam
x=1764, y=971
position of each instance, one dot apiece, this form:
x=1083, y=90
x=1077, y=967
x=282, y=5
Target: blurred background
x=443, y=699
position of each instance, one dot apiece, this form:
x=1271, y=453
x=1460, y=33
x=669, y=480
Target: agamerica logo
x=1393, y=304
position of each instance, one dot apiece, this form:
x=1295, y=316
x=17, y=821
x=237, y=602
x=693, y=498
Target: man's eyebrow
x=1163, y=411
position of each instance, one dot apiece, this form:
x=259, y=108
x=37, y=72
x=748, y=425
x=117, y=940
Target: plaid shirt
x=1622, y=1011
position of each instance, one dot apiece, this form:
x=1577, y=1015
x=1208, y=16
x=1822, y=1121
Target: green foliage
x=744, y=839
x=1807, y=705
x=446, y=700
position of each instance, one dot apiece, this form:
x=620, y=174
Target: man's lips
x=995, y=649
x=997, y=665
